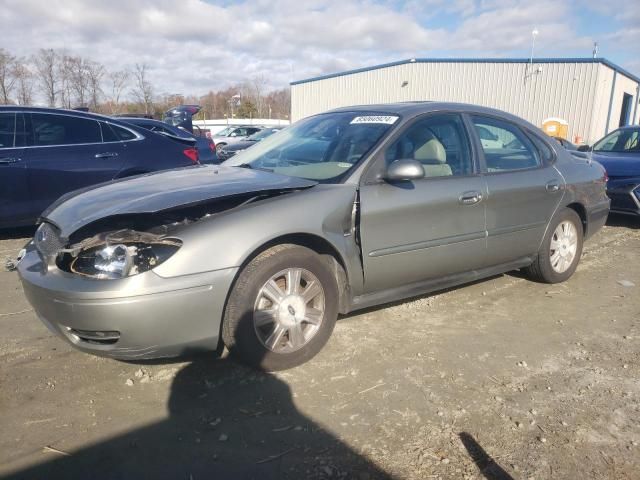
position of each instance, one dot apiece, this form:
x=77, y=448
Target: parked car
x=343, y=210
x=228, y=151
x=206, y=148
x=619, y=154
x=46, y=152
x=234, y=134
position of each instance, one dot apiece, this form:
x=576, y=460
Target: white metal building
x=593, y=95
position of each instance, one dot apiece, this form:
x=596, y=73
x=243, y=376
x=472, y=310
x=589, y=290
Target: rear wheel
x=219, y=146
x=561, y=249
x=282, y=308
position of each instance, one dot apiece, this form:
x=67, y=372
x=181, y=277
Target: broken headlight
x=122, y=259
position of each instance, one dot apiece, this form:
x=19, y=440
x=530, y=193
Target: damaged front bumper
x=139, y=317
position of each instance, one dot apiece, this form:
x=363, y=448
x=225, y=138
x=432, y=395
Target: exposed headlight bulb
x=115, y=261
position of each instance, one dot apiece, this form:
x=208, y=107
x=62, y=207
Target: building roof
x=603, y=61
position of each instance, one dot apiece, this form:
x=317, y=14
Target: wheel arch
x=322, y=247
x=582, y=213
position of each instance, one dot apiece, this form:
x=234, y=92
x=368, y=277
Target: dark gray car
x=343, y=210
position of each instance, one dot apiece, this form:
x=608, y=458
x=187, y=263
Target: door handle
x=552, y=186
x=106, y=155
x=6, y=160
x=470, y=198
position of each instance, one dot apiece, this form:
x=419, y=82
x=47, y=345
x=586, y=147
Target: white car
x=233, y=134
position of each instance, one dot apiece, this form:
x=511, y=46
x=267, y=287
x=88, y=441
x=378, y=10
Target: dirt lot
x=499, y=379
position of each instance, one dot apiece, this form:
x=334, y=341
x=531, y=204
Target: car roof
x=64, y=111
x=414, y=108
x=142, y=120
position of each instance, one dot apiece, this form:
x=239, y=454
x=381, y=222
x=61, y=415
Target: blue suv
x=46, y=152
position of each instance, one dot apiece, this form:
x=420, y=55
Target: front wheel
x=282, y=308
x=561, y=249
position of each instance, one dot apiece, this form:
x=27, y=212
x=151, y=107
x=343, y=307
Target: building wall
x=576, y=92
x=623, y=85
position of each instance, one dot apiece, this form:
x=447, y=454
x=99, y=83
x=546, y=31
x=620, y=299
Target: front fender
x=230, y=238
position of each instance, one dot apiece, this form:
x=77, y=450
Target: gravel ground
x=500, y=379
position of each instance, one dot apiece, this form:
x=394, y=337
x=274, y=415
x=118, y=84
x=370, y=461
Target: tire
x=285, y=333
x=219, y=146
x=552, y=267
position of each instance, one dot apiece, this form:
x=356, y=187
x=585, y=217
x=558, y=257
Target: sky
x=193, y=46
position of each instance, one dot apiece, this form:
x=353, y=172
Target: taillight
x=192, y=153
x=212, y=146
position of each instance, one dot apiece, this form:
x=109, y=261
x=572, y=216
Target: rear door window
x=51, y=129
x=7, y=130
x=506, y=147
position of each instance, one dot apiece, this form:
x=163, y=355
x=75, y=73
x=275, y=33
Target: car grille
x=47, y=240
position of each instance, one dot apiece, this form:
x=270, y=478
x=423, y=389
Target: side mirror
x=584, y=148
x=404, y=169
x=234, y=134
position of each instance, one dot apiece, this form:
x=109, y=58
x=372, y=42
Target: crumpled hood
x=163, y=190
x=619, y=165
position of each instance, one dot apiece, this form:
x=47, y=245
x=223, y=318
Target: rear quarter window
x=123, y=134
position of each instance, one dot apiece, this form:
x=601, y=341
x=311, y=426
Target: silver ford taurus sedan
x=344, y=210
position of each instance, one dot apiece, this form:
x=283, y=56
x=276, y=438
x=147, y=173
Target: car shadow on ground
x=15, y=233
x=626, y=221
x=225, y=421
x=415, y=298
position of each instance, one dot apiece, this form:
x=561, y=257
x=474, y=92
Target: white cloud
x=192, y=46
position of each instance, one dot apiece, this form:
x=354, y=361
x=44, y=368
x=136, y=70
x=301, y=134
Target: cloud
x=192, y=46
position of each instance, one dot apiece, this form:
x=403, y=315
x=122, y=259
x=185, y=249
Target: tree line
x=59, y=78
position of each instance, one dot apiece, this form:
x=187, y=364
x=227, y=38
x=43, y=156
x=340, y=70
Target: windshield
x=323, y=147
x=626, y=140
x=225, y=131
x=262, y=134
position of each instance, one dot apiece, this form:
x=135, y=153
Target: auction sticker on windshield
x=386, y=119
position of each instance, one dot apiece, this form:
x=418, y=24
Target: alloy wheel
x=289, y=310
x=563, y=248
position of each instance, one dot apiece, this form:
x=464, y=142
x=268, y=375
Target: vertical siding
x=576, y=92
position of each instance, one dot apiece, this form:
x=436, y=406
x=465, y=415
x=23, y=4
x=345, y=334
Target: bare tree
x=118, y=81
x=258, y=85
x=24, y=82
x=7, y=77
x=78, y=71
x=95, y=71
x=279, y=103
x=143, y=91
x=64, y=75
x=46, y=63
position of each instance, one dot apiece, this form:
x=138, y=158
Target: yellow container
x=556, y=127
